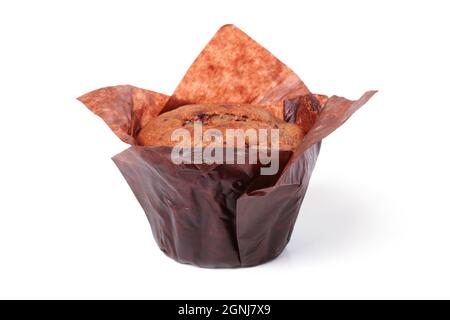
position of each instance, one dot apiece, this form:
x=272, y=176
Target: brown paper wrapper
x=223, y=215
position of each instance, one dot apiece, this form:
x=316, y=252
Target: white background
x=376, y=219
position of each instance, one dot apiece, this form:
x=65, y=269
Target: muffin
x=221, y=215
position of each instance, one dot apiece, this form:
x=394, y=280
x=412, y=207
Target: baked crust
x=158, y=131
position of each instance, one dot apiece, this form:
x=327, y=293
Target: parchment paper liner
x=222, y=215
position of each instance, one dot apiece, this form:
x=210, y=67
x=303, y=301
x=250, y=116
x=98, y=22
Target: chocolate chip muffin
x=158, y=131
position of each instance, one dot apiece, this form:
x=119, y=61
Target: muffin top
x=220, y=117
